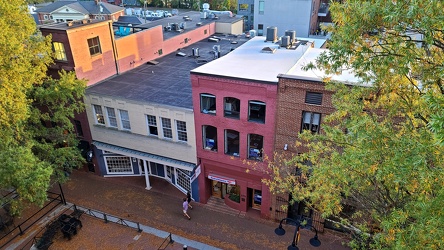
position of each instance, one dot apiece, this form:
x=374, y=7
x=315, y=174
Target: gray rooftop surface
x=189, y=25
x=168, y=82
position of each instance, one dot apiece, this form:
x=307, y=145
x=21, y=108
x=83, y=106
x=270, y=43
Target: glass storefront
x=220, y=189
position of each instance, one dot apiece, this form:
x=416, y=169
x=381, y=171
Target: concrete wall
x=287, y=15
x=138, y=138
x=226, y=165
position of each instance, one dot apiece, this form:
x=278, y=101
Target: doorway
x=255, y=198
x=219, y=189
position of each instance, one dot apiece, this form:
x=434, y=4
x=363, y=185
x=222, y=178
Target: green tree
x=32, y=154
x=381, y=152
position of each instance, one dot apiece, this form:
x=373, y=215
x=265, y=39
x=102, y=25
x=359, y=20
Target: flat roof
x=168, y=82
x=248, y=62
x=347, y=76
x=190, y=23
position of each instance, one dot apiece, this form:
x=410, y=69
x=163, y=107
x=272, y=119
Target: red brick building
x=235, y=99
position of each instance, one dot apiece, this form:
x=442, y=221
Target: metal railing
x=171, y=241
x=21, y=228
x=109, y=218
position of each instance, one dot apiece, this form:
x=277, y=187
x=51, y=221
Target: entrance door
x=256, y=199
x=169, y=171
x=217, y=189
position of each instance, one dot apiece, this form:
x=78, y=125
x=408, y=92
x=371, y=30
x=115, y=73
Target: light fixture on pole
x=281, y=231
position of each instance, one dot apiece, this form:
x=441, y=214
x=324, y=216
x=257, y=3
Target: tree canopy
x=36, y=139
x=377, y=167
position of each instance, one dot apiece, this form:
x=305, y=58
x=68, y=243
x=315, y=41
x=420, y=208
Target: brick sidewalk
x=160, y=208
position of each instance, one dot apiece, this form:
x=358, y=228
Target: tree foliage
x=36, y=139
x=377, y=168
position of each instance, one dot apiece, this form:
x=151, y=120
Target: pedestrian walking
x=189, y=200
x=185, y=208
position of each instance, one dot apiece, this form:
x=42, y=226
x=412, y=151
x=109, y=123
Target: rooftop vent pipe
x=206, y=9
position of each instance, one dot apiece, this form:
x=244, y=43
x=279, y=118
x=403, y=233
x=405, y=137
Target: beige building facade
x=135, y=139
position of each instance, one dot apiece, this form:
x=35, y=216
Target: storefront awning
x=145, y=156
x=223, y=179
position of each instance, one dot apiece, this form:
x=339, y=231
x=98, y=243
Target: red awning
x=220, y=178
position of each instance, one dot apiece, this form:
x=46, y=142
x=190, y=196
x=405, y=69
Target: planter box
x=231, y=203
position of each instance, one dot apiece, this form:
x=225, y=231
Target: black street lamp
x=281, y=231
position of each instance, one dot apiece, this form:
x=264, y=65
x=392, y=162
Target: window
x=124, y=118
x=231, y=142
x=208, y=104
x=160, y=52
x=94, y=46
x=112, y=120
x=231, y=107
x=152, y=125
x=183, y=179
x=118, y=164
x=255, y=146
x=256, y=111
x=78, y=126
x=181, y=131
x=209, y=135
x=311, y=121
x=205, y=32
x=261, y=6
x=45, y=17
x=313, y=98
x=252, y=9
x=59, y=50
x=260, y=29
x=98, y=113
x=243, y=7
x=166, y=128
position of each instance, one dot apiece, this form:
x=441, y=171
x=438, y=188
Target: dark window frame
x=94, y=46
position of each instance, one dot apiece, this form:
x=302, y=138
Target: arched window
x=231, y=107
x=209, y=136
x=232, y=142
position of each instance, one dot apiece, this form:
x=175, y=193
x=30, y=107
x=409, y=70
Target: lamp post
x=281, y=231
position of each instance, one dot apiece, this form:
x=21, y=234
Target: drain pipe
x=113, y=42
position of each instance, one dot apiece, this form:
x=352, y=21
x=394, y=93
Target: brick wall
x=291, y=104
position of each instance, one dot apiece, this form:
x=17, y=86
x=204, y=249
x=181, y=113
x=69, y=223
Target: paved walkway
x=160, y=210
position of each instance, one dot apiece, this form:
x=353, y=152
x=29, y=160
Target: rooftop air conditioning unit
x=271, y=34
x=285, y=41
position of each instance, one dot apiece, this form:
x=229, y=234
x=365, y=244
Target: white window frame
x=203, y=107
x=119, y=172
x=112, y=119
x=98, y=116
x=152, y=125
x=123, y=121
x=168, y=128
x=181, y=133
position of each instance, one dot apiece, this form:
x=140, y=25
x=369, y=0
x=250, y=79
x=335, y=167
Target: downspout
x=114, y=46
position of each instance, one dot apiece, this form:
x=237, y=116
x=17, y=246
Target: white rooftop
x=347, y=76
x=248, y=62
